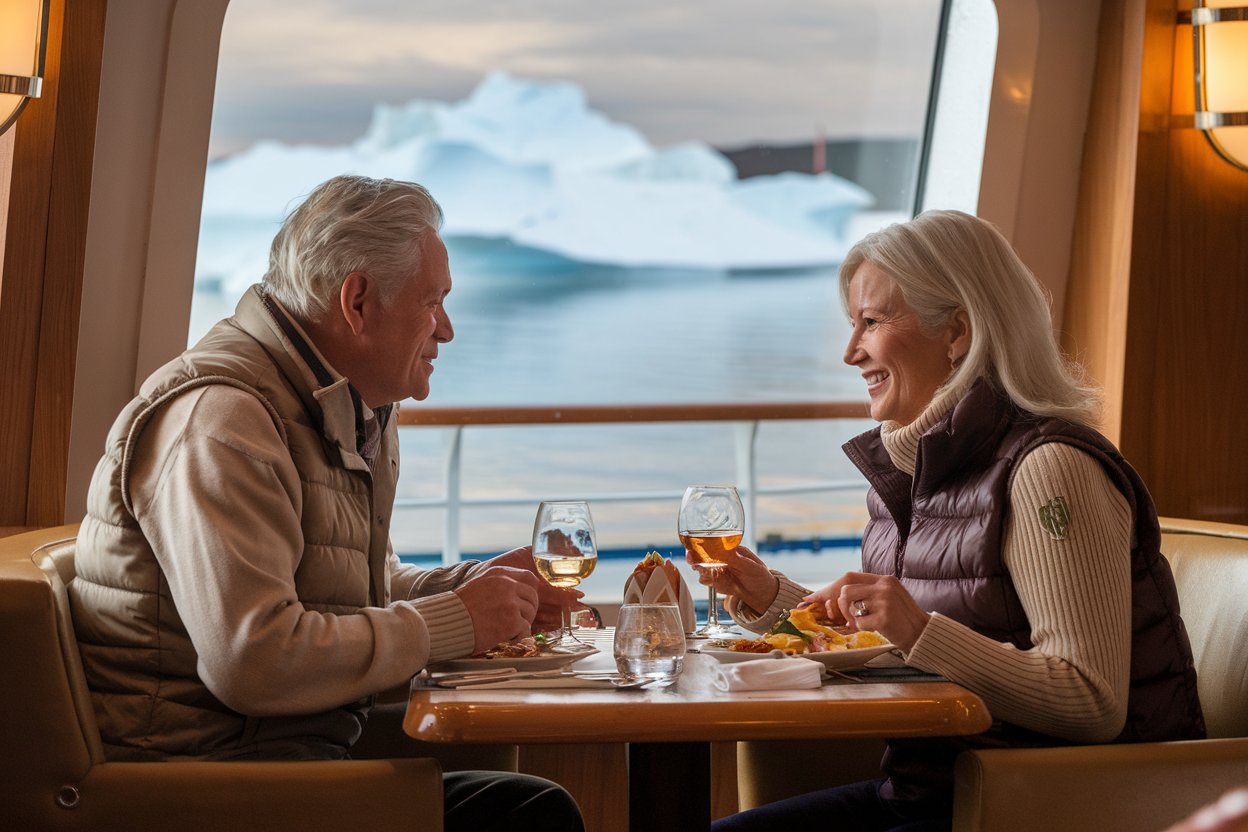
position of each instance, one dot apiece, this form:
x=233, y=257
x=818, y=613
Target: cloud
x=730, y=72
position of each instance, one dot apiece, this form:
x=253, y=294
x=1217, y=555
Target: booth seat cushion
x=1210, y=564
x=1146, y=786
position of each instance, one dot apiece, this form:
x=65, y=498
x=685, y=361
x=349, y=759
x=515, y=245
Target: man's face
x=414, y=324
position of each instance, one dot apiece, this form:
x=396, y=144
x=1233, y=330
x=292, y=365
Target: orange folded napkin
x=656, y=580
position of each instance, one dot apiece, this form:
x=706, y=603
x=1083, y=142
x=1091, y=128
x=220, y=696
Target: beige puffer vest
x=139, y=661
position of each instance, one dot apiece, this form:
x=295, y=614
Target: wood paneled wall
x=1159, y=278
x=43, y=265
x=1185, y=393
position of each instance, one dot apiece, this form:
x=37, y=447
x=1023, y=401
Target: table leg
x=669, y=786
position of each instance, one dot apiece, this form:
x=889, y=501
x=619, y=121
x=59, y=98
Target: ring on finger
x=860, y=608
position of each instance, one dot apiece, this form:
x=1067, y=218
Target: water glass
x=650, y=642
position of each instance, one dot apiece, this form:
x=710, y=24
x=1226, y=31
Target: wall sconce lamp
x=23, y=42
x=1220, y=50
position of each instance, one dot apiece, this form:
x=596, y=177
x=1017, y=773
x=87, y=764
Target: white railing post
x=746, y=434
x=452, y=478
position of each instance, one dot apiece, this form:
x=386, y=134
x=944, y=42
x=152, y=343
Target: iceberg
x=527, y=168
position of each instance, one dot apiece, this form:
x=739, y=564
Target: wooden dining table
x=668, y=730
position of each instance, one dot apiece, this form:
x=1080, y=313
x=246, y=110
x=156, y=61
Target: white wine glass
x=564, y=552
x=711, y=524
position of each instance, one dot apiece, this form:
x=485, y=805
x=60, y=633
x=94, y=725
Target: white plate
x=835, y=659
x=546, y=661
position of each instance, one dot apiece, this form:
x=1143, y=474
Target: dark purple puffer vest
x=941, y=534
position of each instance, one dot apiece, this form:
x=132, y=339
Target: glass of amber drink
x=711, y=524
x=564, y=552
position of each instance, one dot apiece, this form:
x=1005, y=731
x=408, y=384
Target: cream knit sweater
x=1073, y=683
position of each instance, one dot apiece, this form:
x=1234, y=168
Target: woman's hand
x=873, y=602
x=742, y=575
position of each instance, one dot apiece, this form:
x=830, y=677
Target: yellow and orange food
x=804, y=630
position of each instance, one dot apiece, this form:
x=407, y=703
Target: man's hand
x=551, y=601
x=502, y=601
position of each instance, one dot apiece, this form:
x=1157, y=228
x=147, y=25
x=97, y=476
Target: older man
x=236, y=593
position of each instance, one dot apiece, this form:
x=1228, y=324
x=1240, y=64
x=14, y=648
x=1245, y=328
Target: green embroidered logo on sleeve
x=1055, y=518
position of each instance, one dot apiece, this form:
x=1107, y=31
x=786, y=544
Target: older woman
x=1010, y=547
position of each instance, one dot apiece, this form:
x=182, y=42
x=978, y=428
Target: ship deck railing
x=744, y=417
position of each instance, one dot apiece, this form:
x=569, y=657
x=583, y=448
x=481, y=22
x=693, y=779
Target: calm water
x=563, y=334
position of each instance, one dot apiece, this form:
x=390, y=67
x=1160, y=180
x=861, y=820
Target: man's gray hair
x=943, y=261
x=349, y=224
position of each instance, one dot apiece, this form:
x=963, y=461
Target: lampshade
x=23, y=35
x=1220, y=32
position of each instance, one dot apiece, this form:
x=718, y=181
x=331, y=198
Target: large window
x=645, y=203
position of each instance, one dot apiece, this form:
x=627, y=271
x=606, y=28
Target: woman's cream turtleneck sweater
x=1073, y=683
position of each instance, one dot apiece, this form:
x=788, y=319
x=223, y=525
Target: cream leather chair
x=53, y=775
x=1147, y=786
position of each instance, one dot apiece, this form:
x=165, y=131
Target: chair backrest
x=50, y=738
x=1210, y=564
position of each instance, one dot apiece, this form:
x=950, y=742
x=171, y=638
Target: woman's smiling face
x=902, y=364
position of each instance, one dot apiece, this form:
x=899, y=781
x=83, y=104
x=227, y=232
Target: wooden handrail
x=415, y=415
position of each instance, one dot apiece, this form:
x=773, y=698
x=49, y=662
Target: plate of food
x=532, y=653
x=802, y=632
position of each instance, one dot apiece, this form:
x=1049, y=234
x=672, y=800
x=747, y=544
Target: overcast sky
x=729, y=72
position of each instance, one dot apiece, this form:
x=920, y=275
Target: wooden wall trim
x=1041, y=87
x=42, y=266
x=151, y=153
x=64, y=259
x=21, y=294
x=6, y=175
x=1095, y=310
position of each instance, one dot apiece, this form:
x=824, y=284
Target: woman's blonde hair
x=349, y=224
x=943, y=261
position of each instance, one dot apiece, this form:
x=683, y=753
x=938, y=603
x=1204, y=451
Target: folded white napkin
x=771, y=673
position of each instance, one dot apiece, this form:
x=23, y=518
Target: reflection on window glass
x=645, y=202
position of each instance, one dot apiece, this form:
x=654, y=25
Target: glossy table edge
x=914, y=709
